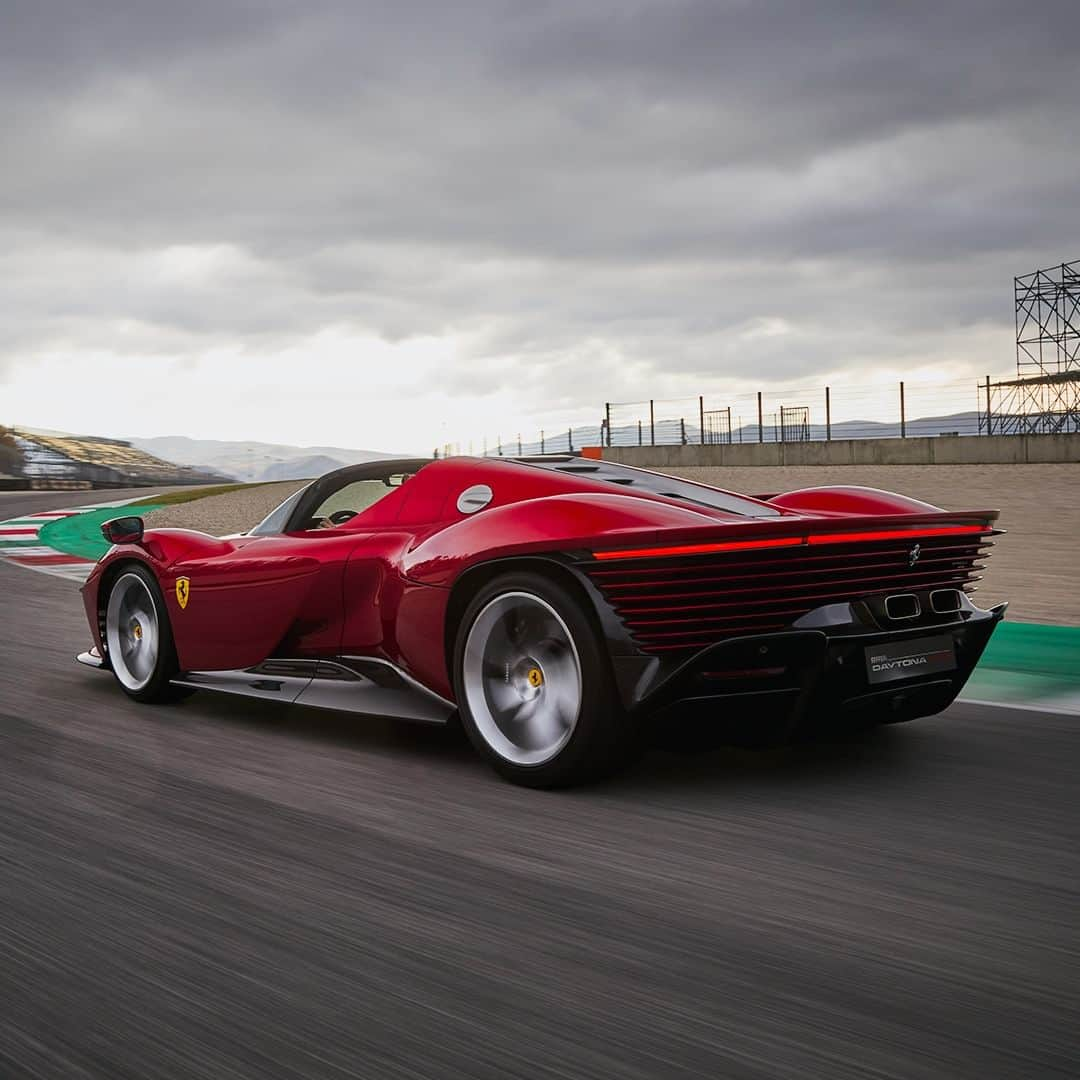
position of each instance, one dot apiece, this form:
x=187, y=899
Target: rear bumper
x=804, y=677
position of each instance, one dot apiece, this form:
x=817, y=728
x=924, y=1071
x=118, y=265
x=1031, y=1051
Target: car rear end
x=802, y=620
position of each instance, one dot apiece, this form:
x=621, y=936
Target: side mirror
x=123, y=530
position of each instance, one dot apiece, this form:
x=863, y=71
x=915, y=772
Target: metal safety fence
x=806, y=412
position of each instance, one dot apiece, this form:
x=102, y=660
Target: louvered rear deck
x=681, y=604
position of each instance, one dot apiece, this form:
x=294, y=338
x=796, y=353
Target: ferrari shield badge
x=183, y=591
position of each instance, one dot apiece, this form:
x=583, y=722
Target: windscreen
x=274, y=522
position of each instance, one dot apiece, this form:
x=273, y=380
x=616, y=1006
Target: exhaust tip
x=945, y=601
x=903, y=606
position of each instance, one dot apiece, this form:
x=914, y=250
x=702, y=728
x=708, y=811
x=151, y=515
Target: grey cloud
x=625, y=181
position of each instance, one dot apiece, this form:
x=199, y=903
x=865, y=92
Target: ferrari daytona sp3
x=556, y=605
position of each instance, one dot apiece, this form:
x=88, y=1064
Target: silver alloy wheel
x=132, y=631
x=522, y=678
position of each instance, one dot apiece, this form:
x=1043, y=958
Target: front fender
x=237, y=605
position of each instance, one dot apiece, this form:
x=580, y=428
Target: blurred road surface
x=224, y=889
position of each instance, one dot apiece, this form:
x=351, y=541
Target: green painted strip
x=81, y=535
x=1035, y=649
x=1028, y=662
x=29, y=541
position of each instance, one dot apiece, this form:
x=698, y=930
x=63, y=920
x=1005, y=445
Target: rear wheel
x=534, y=685
x=138, y=637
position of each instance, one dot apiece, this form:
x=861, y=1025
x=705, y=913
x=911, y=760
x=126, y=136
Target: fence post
x=903, y=414
x=989, y=414
x=682, y=429
x=828, y=416
x=639, y=433
x=760, y=420
x=652, y=424
x=499, y=437
x=519, y=444
x=543, y=447
x=607, y=421
x=701, y=416
x=570, y=439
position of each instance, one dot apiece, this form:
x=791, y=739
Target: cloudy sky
x=394, y=224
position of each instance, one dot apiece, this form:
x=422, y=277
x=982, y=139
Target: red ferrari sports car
x=555, y=604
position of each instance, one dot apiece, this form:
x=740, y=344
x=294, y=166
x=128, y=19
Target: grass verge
x=174, y=498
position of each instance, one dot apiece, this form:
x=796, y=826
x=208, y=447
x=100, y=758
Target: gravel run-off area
x=222, y=515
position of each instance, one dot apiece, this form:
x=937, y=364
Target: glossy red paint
x=845, y=500
x=380, y=585
x=419, y=643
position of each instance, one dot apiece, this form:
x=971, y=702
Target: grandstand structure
x=100, y=462
x=10, y=458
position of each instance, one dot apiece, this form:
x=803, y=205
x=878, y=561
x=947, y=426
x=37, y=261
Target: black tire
x=151, y=682
x=600, y=738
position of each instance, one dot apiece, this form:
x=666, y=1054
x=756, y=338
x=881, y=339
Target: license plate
x=909, y=659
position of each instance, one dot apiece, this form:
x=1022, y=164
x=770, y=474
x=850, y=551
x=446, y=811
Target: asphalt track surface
x=224, y=889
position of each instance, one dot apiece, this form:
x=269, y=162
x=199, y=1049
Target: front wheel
x=138, y=637
x=534, y=685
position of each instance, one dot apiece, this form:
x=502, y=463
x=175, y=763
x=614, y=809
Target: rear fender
x=847, y=500
x=554, y=523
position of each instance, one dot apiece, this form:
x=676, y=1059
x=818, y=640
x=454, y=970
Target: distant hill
x=257, y=460
x=301, y=468
x=964, y=423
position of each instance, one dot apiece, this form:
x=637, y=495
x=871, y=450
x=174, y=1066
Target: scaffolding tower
x=1048, y=321
x=1044, y=398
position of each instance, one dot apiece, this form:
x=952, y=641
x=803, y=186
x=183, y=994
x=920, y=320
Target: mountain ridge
x=252, y=460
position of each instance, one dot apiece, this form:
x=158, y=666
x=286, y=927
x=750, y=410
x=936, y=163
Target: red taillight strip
x=701, y=549
x=892, y=534
x=793, y=541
